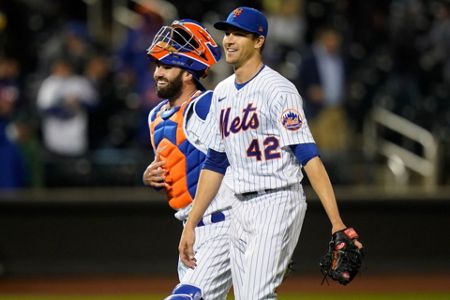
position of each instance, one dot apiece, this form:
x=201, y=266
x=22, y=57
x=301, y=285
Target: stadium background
x=84, y=224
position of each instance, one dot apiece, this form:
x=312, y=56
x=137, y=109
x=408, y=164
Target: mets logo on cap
x=291, y=120
x=237, y=12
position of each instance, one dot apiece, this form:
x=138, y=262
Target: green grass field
x=399, y=296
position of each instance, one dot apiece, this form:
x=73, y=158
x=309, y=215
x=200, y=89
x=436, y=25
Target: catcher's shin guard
x=185, y=292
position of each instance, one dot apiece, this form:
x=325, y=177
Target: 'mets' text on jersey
x=238, y=124
x=256, y=122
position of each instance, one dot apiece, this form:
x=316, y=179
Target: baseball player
x=183, y=52
x=262, y=135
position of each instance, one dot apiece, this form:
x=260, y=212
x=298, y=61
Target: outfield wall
x=132, y=231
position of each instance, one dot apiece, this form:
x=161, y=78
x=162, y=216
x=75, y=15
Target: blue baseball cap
x=247, y=19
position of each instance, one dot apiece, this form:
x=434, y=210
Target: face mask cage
x=175, y=39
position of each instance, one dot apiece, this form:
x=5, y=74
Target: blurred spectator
x=282, y=46
x=132, y=73
x=64, y=100
x=283, y=14
x=134, y=83
x=436, y=44
x=72, y=42
x=25, y=133
x=407, y=18
x=13, y=171
x=98, y=72
x=322, y=84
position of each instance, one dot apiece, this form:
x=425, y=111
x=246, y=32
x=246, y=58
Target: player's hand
x=341, y=226
x=186, y=247
x=155, y=174
x=343, y=259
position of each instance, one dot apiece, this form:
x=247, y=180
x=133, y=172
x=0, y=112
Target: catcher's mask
x=185, y=44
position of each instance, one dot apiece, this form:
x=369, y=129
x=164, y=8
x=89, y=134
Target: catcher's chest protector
x=183, y=160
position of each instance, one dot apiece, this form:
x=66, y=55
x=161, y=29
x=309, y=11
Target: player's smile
x=230, y=46
x=162, y=82
x=230, y=52
x=170, y=86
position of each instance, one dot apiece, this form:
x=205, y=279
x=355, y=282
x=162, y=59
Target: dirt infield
x=143, y=285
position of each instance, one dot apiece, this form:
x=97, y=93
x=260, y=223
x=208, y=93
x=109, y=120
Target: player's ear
x=259, y=41
x=187, y=76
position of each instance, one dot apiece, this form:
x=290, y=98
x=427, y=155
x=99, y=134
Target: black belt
x=261, y=192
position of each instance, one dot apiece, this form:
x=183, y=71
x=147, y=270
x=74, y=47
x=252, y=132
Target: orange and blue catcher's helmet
x=185, y=44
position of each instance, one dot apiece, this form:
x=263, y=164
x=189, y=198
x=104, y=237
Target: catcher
x=343, y=258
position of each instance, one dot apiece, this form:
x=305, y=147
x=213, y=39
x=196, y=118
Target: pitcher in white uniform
x=261, y=133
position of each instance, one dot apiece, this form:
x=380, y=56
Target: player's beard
x=172, y=90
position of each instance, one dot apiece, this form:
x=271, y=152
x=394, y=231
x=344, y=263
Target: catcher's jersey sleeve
x=201, y=127
x=214, y=139
x=198, y=122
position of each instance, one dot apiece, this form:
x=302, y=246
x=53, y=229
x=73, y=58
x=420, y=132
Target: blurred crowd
x=74, y=99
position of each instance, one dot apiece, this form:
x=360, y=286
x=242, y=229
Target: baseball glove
x=343, y=259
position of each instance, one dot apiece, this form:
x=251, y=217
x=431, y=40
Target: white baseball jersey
x=213, y=272
x=66, y=136
x=257, y=122
x=198, y=130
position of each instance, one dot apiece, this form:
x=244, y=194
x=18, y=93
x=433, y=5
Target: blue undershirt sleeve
x=304, y=152
x=216, y=161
